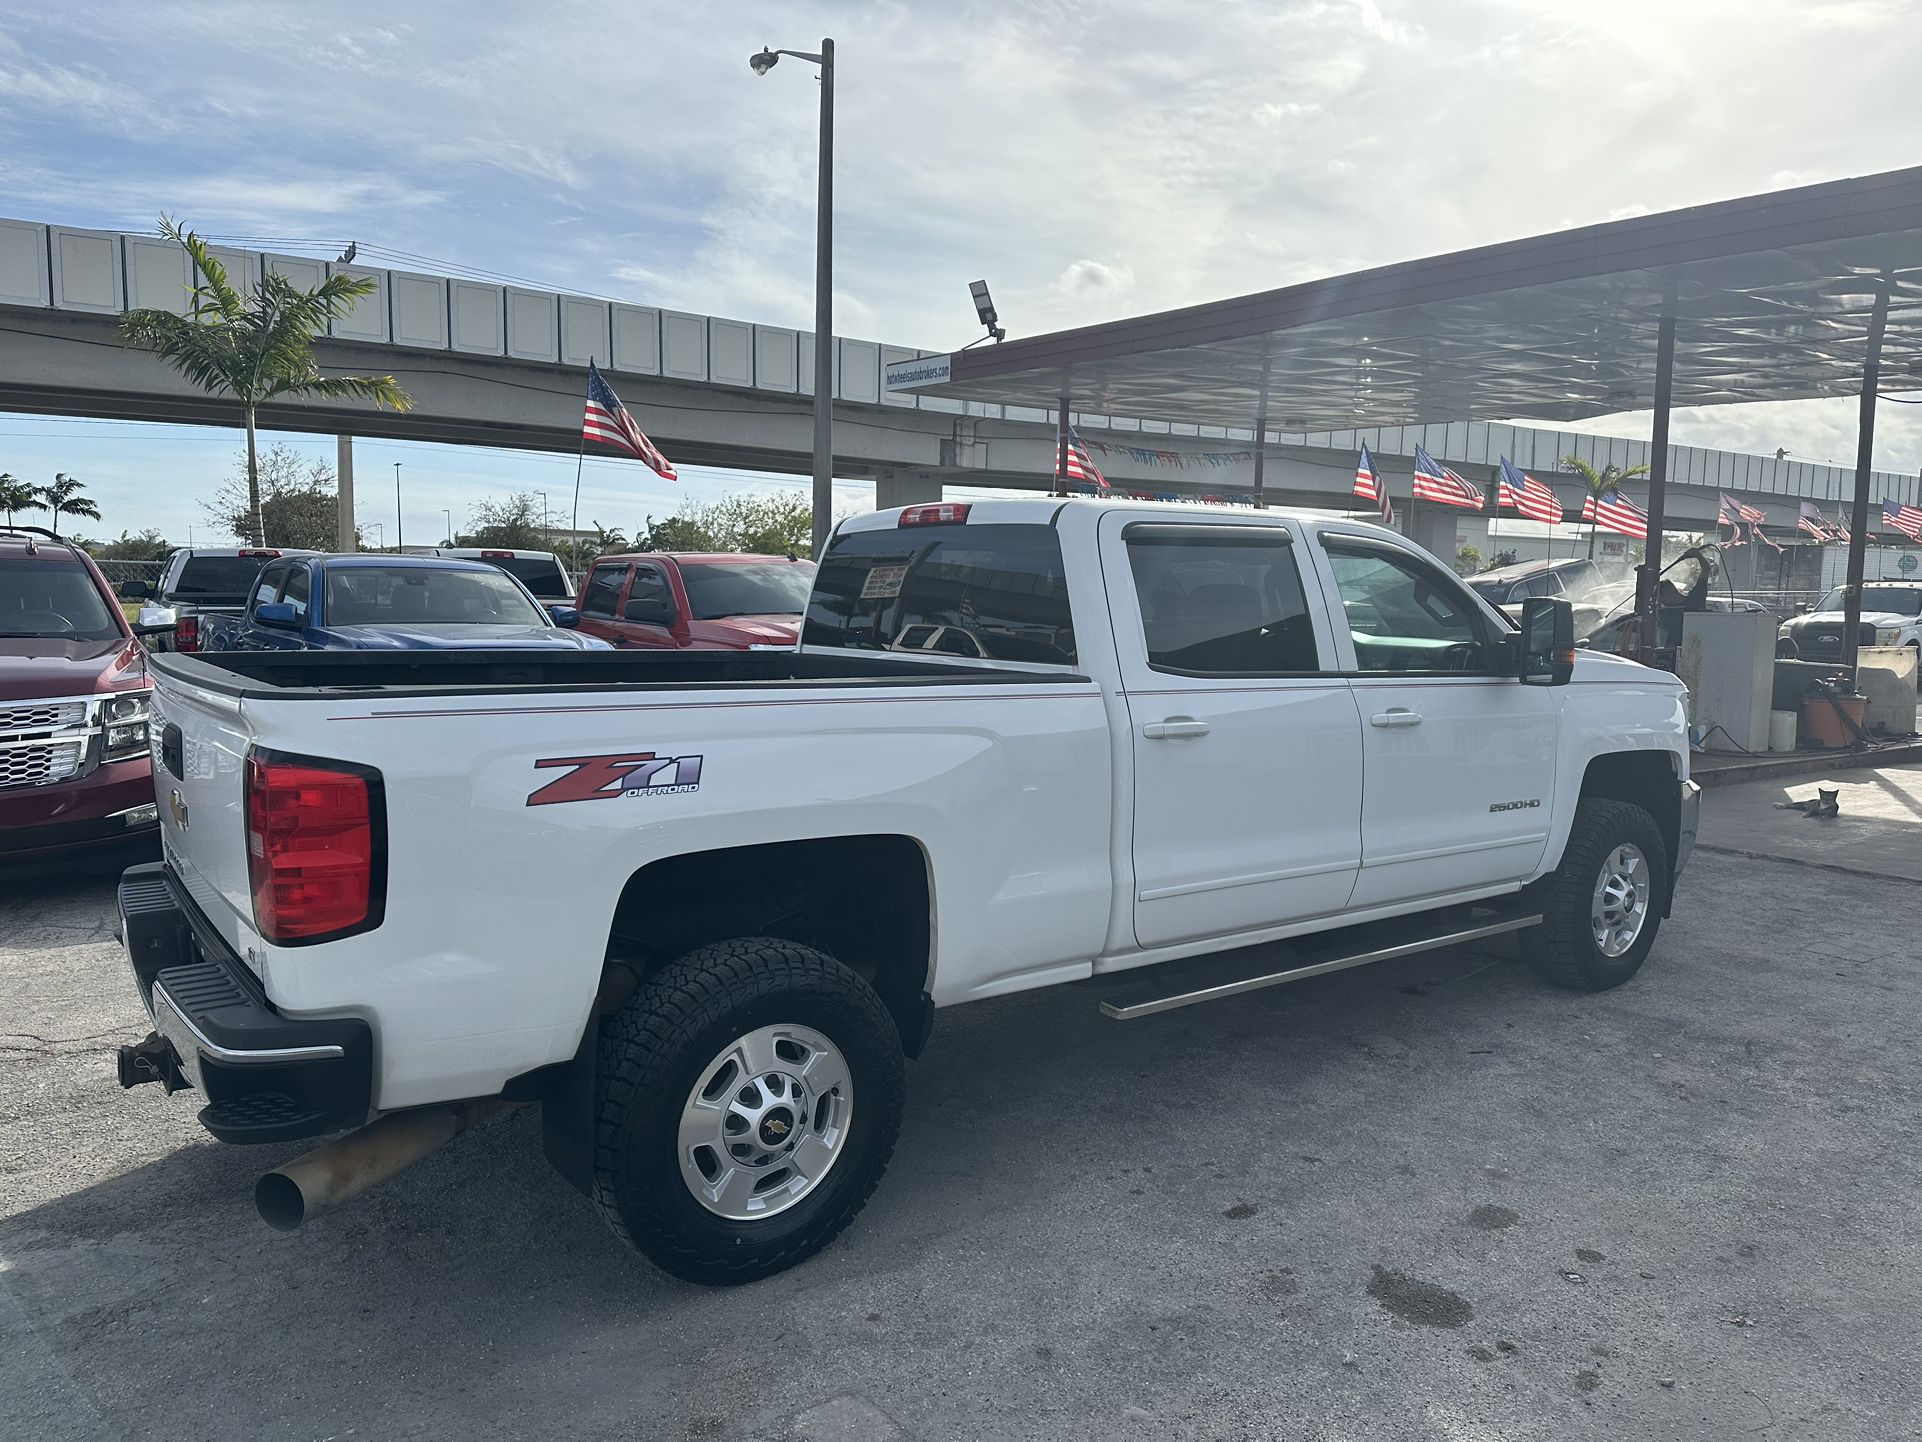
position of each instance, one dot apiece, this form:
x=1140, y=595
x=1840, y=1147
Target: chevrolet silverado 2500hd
x=759, y=874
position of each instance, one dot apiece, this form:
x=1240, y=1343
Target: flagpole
x=574, y=526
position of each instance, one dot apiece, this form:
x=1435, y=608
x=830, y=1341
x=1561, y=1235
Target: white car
x=1891, y=616
x=702, y=906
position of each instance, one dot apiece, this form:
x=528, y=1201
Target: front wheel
x=1603, y=905
x=747, y=1104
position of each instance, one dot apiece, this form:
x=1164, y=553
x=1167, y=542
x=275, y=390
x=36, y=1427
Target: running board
x=1216, y=977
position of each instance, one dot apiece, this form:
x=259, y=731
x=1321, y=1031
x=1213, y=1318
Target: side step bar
x=1212, y=978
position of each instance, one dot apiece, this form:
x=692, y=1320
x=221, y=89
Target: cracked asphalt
x=1427, y=1199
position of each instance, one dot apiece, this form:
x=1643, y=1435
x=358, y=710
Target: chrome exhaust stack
x=347, y=1166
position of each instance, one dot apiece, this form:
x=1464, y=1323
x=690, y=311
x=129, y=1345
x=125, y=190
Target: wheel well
x=1649, y=780
x=864, y=900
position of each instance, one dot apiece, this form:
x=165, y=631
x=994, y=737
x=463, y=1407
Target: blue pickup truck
x=389, y=603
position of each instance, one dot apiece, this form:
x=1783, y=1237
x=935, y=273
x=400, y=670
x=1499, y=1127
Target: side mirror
x=280, y=615
x=567, y=616
x=136, y=590
x=650, y=611
x=1546, y=645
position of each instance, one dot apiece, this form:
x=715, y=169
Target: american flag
x=1906, y=519
x=1616, y=512
x=608, y=422
x=1754, y=515
x=1526, y=494
x=1435, y=482
x=1756, y=533
x=1077, y=465
x=1812, y=522
x=1366, y=486
x=1841, y=528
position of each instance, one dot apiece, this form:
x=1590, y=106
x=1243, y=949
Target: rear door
x=647, y=614
x=601, y=597
x=1245, y=742
x=1459, y=757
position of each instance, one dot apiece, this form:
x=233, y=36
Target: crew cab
x=196, y=583
x=1891, y=616
x=1180, y=734
x=388, y=603
x=689, y=601
x=75, y=779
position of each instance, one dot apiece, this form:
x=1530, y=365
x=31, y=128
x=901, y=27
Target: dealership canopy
x=1772, y=298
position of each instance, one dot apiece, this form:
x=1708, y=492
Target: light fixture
x=984, y=308
x=763, y=62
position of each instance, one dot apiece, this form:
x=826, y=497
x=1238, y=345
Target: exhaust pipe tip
x=280, y=1202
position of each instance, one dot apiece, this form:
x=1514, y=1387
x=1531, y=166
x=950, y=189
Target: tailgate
x=201, y=739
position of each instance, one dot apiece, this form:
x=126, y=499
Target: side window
x=296, y=593
x=992, y=592
x=1221, y=601
x=1404, y=613
x=650, y=598
x=603, y=591
x=267, y=586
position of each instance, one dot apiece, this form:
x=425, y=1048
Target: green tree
x=510, y=525
x=1468, y=559
x=299, y=503
x=63, y=497
x=778, y=524
x=15, y=495
x=147, y=546
x=1599, y=484
x=677, y=533
x=257, y=346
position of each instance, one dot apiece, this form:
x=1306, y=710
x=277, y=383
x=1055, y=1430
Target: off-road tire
x=652, y=1051
x=1563, y=948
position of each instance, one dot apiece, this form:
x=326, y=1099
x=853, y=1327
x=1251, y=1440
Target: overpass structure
x=505, y=366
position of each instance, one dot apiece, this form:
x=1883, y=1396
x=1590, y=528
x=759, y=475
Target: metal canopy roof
x=1772, y=294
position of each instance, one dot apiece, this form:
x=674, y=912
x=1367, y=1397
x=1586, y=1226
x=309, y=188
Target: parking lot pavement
x=1431, y=1198
x=1877, y=833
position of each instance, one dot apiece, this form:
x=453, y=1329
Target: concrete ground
x=1428, y=1199
x=1877, y=831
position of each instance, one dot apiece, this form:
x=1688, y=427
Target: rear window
x=718, y=589
x=416, y=595
x=540, y=574
x=42, y=596
x=997, y=592
x=219, y=578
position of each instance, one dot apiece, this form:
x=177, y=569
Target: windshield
x=1493, y=592
x=540, y=574
x=418, y=595
x=750, y=588
x=226, y=578
x=1903, y=600
x=52, y=598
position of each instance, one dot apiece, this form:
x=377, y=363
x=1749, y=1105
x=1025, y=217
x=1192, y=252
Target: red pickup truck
x=75, y=774
x=697, y=602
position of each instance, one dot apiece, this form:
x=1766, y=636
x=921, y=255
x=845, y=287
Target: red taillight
x=312, y=848
x=944, y=513
x=187, y=633
x=260, y=553
x=497, y=555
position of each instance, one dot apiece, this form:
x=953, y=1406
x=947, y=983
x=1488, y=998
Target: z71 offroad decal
x=604, y=778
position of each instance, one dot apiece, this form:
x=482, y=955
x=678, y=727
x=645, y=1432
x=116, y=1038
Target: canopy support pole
x=1261, y=433
x=1650, y=570
x=1859, y=511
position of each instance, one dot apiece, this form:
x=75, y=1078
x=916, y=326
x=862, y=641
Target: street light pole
x=399, y=536
x=823, y=290
x=448, y=511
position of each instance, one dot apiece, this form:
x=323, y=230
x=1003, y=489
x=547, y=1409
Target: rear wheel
x=748, y=1101
x=1603, y=906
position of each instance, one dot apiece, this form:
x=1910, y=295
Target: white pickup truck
x=392, y=889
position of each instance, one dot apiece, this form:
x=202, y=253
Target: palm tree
x=63, y=498
x=15, y=495
x=1599, y=484
x=255, y=347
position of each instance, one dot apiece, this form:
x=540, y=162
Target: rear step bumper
x=267, y=1077
x=1178, y=984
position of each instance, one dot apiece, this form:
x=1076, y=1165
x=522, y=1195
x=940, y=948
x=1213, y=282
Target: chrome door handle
x=1175, y=728
x=1395, y=716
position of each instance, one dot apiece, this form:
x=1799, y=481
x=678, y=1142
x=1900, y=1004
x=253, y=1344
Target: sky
x=1091, y=158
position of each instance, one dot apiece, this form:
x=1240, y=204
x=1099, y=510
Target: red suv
x=75, y=772
x=712, y=601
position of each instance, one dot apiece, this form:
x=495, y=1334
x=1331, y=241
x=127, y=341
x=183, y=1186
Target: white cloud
x=1091, y=277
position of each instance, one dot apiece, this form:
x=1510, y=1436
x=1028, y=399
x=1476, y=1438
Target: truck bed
x=289, y=675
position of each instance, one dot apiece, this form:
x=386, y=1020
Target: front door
x=600, y=600
x=1460, y=759
x=1246, y=748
